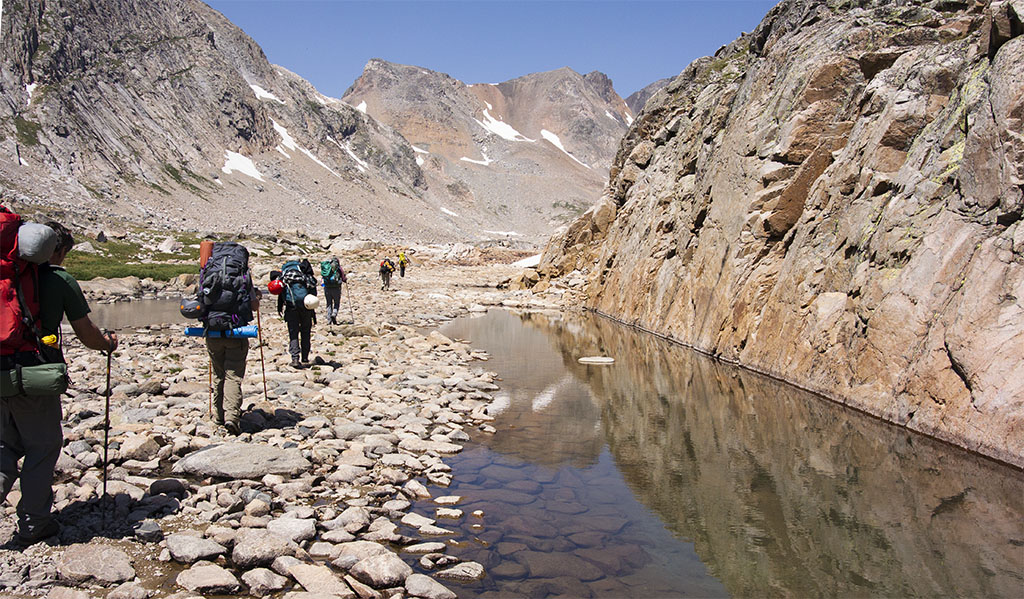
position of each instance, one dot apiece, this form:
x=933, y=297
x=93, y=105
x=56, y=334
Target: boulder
x=381, y=571
x=87, y=562
x=320, y=579
x=242, y=460
x=420, y=585
x=187, y=548
x=207, y=578
x=259, y=548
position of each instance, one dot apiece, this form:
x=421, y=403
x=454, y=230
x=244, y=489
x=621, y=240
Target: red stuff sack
x=19, y=294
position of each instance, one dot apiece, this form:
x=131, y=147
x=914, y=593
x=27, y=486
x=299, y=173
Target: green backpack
x=330, y=271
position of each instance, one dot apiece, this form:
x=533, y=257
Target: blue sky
x=635, y=43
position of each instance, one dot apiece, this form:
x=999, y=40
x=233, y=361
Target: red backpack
x=19, y=293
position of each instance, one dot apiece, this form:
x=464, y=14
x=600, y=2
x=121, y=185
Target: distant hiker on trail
x=227, y=299
x=386, y=268
x=30, y=418
x=333, y=277
x=297, y=304
x=402, y=263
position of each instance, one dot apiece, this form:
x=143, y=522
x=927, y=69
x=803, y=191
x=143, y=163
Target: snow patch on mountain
x=289, y=142
x=263, y=94
x=362, y=107
x=31, y=87
x=447, y=211
x=551, y=137
x=486, y=161
x=500, y=128
x=233, y=161
x=286, y=139
x=360, y=164
x=318, y=161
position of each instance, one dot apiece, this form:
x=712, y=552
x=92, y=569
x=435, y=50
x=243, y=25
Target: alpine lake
x=670, y=474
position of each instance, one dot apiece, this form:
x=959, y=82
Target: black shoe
x=38, y=533
x=232, y=428
x=296, y=364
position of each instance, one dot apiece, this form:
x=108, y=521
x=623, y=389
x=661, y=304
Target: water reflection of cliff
x=786, y=494
x=548, y=415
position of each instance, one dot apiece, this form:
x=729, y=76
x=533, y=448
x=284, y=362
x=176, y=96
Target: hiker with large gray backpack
x=297, y=304
x=226, y=300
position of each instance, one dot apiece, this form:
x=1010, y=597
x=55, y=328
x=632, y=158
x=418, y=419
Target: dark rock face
x=835, y=199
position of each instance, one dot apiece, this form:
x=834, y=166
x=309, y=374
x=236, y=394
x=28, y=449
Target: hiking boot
x=296, y=364
x=38, y=533
x=232, y=428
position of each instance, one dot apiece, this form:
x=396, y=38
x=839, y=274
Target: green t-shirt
x=59, y=296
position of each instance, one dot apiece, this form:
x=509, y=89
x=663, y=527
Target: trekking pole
x=209, y=384
x=259, y=332
x=106, y=439
x=348, y=294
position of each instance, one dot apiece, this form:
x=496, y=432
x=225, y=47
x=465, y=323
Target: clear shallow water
x=670, y=475
x=120, y=316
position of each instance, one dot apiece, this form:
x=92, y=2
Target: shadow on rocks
x=257, y=419
x=114, y=516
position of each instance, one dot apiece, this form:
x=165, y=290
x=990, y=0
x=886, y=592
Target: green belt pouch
x=44, y=379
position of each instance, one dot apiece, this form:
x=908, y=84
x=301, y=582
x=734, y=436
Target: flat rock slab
x=66, y=593
x=381, y=571
x=92, y=561
x=321, y=580
x=259, y=548
x=242, y=460
x=420, y=585
x=424, y=445
x=205, y=577
x=188, y=548
x=296, y=529
x=466, y=572
x=362, y=549
x=263, y=582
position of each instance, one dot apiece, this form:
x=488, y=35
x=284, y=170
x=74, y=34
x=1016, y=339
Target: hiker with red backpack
x=36, y=296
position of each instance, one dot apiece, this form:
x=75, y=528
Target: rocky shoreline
x=314, y=497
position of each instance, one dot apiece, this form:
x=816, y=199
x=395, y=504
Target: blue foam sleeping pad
x=249, y=330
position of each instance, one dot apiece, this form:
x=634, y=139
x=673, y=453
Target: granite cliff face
x=835, y=199
x=527, y=154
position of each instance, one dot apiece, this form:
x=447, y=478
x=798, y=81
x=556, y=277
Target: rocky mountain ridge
x=638, y=99
x=835, y=200
x=166, y=115
x=533, y=151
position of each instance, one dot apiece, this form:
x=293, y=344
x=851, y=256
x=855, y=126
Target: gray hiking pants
x=30, y=428
x=227, y=356
x=333, y=297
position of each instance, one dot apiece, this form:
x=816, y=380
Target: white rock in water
x=596, y=360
